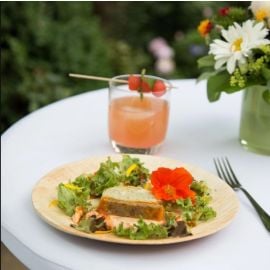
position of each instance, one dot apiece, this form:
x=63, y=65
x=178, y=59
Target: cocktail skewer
x=98, y=78
x=88, y=77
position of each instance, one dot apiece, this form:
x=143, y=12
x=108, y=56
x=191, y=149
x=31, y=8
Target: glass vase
x=255, y=121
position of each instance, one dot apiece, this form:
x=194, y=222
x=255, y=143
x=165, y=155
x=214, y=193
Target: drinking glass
x=137, y=122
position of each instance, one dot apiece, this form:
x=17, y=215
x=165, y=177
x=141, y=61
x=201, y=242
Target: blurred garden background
x=41, y=42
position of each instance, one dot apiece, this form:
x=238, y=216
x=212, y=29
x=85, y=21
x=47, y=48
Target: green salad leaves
x=74, y=194
x=129, y=171
x=107, y=176
x=141, y=231
x=194, y=212
x=132, y=171
x=91, y=224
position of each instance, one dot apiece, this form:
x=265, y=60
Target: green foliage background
x=41, y=42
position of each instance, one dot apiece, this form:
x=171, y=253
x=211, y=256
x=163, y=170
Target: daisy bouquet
x=239, y=50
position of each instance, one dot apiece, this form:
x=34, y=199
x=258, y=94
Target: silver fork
x=225, y=172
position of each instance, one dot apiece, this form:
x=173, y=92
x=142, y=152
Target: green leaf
x=137, y=176
x=91, y=224
x=107, y=176
x=218, y=83
x=206, y=61
x=150, y=81
x=69, y=198
x=215, y=85
x=205, y=75
x=266, y=96
x=66, y=199
x=266, y=73
x=200, y=210
x=84, y=225
x=200, y=187
x=111, y=174
x=141, y=231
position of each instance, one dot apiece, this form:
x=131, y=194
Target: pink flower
x=160, y=49
x=165, y=65
x=156, y=44
x=164, y=55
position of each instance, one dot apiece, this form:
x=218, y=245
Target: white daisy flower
x=261, y=10
x=239, y=40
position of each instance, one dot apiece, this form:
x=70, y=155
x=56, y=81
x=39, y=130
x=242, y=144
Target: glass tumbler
x=137, y=121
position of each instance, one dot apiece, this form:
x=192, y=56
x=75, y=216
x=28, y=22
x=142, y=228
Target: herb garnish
x=141, y=231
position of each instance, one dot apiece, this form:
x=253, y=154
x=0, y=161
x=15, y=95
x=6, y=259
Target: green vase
x=255, y=121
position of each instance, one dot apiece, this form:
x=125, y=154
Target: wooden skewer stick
x=90, y=77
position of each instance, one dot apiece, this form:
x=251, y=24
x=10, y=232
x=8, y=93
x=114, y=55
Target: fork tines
x=225, y=172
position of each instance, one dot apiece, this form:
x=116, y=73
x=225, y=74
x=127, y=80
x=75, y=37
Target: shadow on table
x=133, y=250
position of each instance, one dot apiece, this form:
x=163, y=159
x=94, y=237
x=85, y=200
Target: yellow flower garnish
x=72, y=187
x=53, y=203
x=131, y=169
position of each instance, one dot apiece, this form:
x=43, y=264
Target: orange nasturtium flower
x=170, y=185
x=205, y=27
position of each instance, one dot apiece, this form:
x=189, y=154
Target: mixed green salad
x=79, y=198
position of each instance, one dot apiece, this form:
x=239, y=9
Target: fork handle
x=265, y=218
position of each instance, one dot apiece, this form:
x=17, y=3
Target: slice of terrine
x=129, y=201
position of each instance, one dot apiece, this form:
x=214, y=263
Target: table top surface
x=76, y=128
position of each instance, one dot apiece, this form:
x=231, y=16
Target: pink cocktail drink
x=137, y=124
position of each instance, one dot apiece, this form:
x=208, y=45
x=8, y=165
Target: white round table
x=76, y=128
